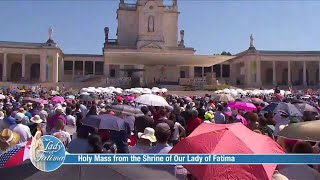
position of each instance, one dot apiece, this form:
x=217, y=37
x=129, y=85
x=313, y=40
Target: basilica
x=150, y=50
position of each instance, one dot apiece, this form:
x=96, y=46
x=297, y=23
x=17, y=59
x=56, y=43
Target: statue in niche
x=121, y=1
x=151, y=24
x=175, y=2
x=251, y=40
x=50, y=32
x=182, y=37
x=106, y=33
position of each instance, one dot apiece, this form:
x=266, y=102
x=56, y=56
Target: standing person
x=142, y=122
x=201, y=110
x=58, y=115
x=180, y=119
x=164, y=119
x=144, y=142
x=92, y=111
x=162, y=133
x=179, y=130
x=80, y=144
x=96, y=144
x=79, y=116
x=58, y=131
x=36, y=124
x=43, y=113
x=22, y=130
x=194, y=122
x=71, y=120
x=219, y=117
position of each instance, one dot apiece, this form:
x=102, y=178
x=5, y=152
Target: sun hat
x=208, y=116
x=148, y=134
x=8, y=138
x=36, y=119
x=1, y=115
x=59, y=108
x=19, y=116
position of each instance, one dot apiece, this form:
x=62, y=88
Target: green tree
x=226, y=53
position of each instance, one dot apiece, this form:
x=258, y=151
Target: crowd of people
x=156, y=131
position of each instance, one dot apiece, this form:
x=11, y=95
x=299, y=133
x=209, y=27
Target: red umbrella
x=72, y=101
x=242, y=106
x=15, y=155
x=228, y=139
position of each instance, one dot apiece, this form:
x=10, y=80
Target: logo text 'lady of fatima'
x=47, y=153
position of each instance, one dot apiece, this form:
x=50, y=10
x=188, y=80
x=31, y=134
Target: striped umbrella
x=126, y=110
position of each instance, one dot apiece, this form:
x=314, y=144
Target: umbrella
x=187, y=98
x=151, y=100
x=228, y=139
x=129, y=98
x=22, y=91
x=15, y=155
x=126, y=110
x=306, y=107
x=42, y=101
x=242, y=106
x=307, y=131
x=289, y=108
x=271, y=107
x=238, y=117
x=223, y=98
x=71, y=97
x=2, y=96
x=30, y=99
x=57, y=100
x=104, y=121
x=86, y=98
x=27, y=171
x=257, y=101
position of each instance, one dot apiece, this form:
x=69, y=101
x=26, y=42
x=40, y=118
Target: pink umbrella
x=42, y=101
x=239, y=117
x=57, y=100
x=130, y=98
x=245, y=106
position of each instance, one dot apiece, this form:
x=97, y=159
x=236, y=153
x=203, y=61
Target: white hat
x=36, y=119
x=19, y=116
x=148, y=134
x=59, y=108
x=1, y=115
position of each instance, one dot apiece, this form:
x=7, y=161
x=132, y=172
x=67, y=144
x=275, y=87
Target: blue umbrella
x=104, y=121
x=71, y=97
x=271, y=107
x=289, y=109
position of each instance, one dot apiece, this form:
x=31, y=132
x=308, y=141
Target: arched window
x=151, y=24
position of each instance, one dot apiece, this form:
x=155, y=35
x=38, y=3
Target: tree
x=226, y=53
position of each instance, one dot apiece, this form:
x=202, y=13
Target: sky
x=210, y=26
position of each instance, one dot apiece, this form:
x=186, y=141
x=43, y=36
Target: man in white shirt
x=22, y=130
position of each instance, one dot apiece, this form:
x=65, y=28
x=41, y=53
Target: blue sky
x=210, y=26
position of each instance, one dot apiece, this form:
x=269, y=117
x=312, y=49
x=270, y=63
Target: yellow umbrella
x=23, y=91
x=307, y=131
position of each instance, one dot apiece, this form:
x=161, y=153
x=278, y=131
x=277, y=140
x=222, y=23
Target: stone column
x=258, y=73
x=83, y=68
x=94, y=67
x=61, y=69
x=274, y=74
x=221, y=71
x=43, y=69
x=289, y=73
x=23, y=66
x=304, y=73
x=4, y=67
x=211, y=69
x=319, y=72
x=73, y=68
x=191, y=72
x=202, y=72
x=121, y=72
x=55, y=68
x=106, y=70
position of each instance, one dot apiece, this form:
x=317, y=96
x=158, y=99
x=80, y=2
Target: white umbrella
x=151, y=100
x=85, y=93
x=2, y=96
